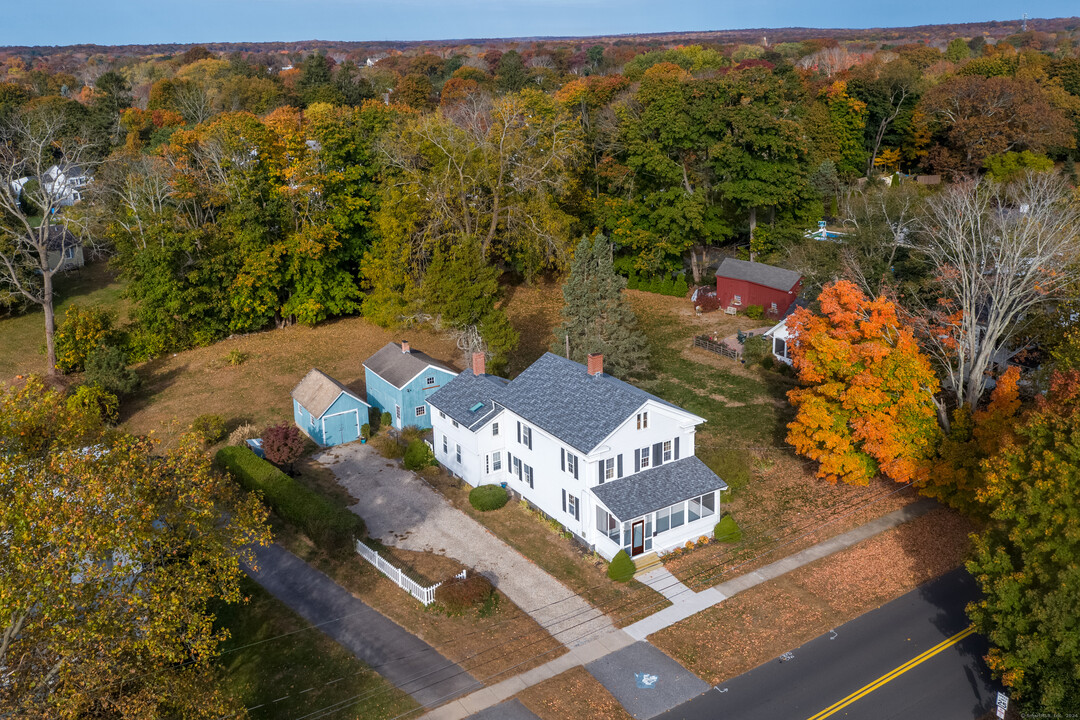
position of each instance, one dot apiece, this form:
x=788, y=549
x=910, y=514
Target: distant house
x=327, y=411
x=65, y=250
x=65, y=183
x=740, y=284
x=610, y=462
x=399, y=381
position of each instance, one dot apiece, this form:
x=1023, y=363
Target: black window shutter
x=676, y=448
x=562, y=458
x=564, y=500
x=637, y=460
x=658, y=453
x=600, y=473
x=519, y=431
x=509, y=463
x=577, y=510
x=619, y=463
x=576, y=461
x=530, y=439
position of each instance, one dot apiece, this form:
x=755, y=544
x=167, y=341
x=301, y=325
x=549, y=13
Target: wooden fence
x=707, y=343
x=426, y=595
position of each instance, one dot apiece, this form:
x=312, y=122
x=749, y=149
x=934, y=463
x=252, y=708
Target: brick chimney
x=478, y=363
x=405, y=346
x=595, y=366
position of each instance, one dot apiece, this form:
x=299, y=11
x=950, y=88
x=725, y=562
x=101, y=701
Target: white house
x=779, y=340
x=612, y=463
x=65, y=183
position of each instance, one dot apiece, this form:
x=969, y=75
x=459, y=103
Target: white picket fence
x=425, y=595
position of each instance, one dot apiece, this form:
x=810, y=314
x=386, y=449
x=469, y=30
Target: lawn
x=280, y=666
x=759, y=624
x=562, y=558
x=572, y=695
x=22, y=350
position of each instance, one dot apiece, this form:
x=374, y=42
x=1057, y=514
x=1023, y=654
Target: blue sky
x=110, y=22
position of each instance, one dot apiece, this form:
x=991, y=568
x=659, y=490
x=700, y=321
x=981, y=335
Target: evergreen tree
x=596, y=317
x=511, y=75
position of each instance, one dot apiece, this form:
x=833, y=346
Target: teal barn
x=327, y=411
x=399, y=381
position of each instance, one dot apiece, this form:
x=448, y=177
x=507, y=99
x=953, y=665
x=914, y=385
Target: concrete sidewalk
x=690, y=603
x=685, y=604
x=392, y=651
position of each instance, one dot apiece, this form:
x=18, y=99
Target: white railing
x=425, y=595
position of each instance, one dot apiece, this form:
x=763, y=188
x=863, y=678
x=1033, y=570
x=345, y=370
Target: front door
x=637, y=535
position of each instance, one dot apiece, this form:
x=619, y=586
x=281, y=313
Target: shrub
x=655, y=284
x=755, y=349
x=667, y=287
x=330, y=526
x=388, y=447
x=621, y=568
x=283, y=444
x=236, y=357
x=365, y=431
x=93, y=397
x=107, y=368
x=82, y=330
x=242, y=434
x=755, y=312
x=727, y=530
x=385, y=420
x=418, y=455
x=632, y=281
x=768, y=362
x=412, y=432
x=211, y=428
x=459, y=595
x=681, y=289
x=488, y=497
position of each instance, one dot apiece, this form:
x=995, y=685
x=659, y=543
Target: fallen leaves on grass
x=573, y=695
x=759, y=624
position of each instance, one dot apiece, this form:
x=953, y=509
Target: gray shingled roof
x=658, y=487
x=758, y=273
x=457, y=397
x=318, y=391
x=556, y=395
x=60, y=238
x=398, y=368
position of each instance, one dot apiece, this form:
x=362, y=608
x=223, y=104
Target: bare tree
x=879, y=222
x=37, y=158
x=1000, y=252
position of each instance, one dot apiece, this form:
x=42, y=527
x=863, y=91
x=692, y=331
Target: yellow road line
x=944, y=645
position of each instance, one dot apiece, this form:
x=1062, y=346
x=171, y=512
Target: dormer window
x=643, y=420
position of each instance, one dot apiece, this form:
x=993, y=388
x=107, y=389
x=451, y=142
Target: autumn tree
x=38, y=153
x=1027, y=560
x=596, y=316
x=955, y=475
x=283, y=444
x=112, y=554
x=866, y=404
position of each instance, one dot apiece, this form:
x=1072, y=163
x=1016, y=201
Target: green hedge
x=488, y=497
x=622, y=568
x=660, y=284
x=727, y=530
x=330, y=526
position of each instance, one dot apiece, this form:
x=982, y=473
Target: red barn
x=740, y=284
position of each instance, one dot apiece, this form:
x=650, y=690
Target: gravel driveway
x=403, y=511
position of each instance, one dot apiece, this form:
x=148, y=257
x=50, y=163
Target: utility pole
x=1023, y=27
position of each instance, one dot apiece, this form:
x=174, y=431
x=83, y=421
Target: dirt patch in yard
x=761, y=623
x=573, y=695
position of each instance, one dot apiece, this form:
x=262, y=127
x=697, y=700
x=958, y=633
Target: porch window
x=663, y=520
x=607, y=525
x=779, y=347
x=677, y=515
x=702, y=506
x=496, y=460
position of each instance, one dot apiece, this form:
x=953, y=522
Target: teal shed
x=327, y=411
x=399, y=381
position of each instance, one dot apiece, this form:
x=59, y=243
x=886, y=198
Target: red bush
x=283, y=444
x=459, y=595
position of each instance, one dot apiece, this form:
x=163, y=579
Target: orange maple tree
x=866, y=404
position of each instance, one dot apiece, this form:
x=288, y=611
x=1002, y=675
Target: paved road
x=392, y=651
x=953, y=684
